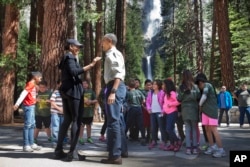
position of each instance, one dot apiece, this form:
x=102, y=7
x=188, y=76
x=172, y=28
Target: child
x=208, y=108
x=188, y=95
x=28, y=98
x=170, y=108
x=154, y=104
x=88, y=114
x=146, y=115
x=56, y=110
x=42, y=111
x=134, y=99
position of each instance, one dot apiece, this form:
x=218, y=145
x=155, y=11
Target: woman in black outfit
x=71, y=91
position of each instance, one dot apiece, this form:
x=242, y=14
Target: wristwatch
x=113, y=90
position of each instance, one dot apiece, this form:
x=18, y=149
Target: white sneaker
x=219, y=153
x=27, y=149
x=36, y=147
x=210, y=150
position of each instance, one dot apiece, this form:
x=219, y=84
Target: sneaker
x=117, y=161
x=27, y=149
x=188, y=151
x=162, y=146
x=36, y=147
x=195, y=151
x=211, y=150
x=81, y=141
x=171, y=147
x=204, y=147
x=178, y=145
x=102, y=139
x=152, y=145
x=50, y=139
x=219, y=153
x=89, y=140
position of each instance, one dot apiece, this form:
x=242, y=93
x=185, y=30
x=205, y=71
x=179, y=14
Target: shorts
x=87, y=120
x=206, y=120
x=41, y=120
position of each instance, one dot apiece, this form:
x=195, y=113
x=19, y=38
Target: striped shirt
x=56, y=97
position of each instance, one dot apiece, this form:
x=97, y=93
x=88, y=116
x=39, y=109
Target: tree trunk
x=40, y=16
x=87, y=41
x=174, y=43
x=198, y=38
x=212, y=57
x=32, y=54
x=71, y=19
x=7, y=80
x=120, y=25
x=98, y=51
x=2, y=12
x=225, y=46
x=54, y=36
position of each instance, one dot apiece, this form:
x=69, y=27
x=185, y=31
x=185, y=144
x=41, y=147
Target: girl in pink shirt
x=154, y=104
x=170, y=108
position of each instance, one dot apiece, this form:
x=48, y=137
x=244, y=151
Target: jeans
x=135, y=118
x=29, y=125
x=56, y=121
x=156, y=120
x=222, y=110
x=243, y=111
x=114, y=127
x=191, y=133
x=73, y=110
x=123, y=135
x=170, y=126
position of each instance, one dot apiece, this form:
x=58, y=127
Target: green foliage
x=239, y=27
x=109, y=16
x=87, y=15
x=134, y=43
x=22, y=55
x=158, y=67
x=20, y=3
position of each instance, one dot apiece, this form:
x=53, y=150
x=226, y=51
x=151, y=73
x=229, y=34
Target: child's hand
x=15, y=107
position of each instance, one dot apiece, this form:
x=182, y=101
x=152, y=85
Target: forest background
x=210, y=36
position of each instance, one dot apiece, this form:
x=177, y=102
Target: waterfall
x=151, y=25
x=149, y=70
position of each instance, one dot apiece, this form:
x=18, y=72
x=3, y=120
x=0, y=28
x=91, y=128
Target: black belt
x=111, y=82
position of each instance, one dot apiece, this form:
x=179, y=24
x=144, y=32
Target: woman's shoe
x=152, y=145
x=169, y=148
x=69, y=157
x=177, y=146
x=59, y=154
x=188, y=151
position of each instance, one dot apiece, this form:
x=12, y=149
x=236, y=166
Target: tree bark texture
x=71, y=19
x=40, y=16
x=227, y=73
x=53, y=40
x=120, y=25
x=7, y=79
x=87, y=43
x=97, y=82
x=32, y=55
x=2, y=12
x=212, y=57
x=198, y=38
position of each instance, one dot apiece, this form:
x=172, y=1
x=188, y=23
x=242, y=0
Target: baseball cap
x=74, y=42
